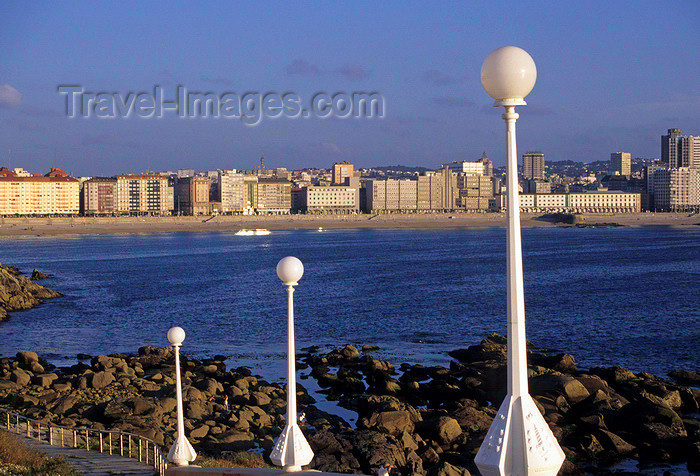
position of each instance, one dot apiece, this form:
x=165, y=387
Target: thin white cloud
x=9, y=97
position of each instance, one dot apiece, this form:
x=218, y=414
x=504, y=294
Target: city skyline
x=604, y=82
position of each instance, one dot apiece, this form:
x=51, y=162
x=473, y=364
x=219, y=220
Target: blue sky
x=612, y=76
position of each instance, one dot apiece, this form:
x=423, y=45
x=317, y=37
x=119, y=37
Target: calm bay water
x=609, y=296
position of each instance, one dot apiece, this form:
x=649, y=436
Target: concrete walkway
x=92, y=463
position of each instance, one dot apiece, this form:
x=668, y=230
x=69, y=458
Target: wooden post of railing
x=110, y=443
x=121, y=444
x=129, y=446
x=62, y=442
x=100, y=442
x=139, y=449
x=87, y=439
x=28, y=428
x=50, y=435
x=75, y=439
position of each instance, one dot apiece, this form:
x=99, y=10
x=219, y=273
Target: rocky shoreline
x=18, y=293
x=423, y=420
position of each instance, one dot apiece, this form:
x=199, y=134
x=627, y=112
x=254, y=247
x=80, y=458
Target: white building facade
x=330, y=200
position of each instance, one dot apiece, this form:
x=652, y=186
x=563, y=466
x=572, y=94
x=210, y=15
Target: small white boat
x=257, y=232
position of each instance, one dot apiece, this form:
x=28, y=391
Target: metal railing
x=113, y=442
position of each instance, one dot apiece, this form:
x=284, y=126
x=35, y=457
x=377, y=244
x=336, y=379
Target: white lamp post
x=519, y=441
x=181, y=453
x=292, y=451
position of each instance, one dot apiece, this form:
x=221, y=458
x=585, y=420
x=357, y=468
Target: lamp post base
x=292, y=451
x=519, y=442
x=181, y=453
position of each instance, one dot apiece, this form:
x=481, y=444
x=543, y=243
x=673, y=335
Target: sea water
x=608, y=296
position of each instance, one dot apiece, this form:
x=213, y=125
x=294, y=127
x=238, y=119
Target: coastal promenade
x=89, y=463
x=106, y=225
x=97, y=463
x=93, y=463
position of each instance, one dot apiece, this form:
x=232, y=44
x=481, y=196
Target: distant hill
x=400, y=168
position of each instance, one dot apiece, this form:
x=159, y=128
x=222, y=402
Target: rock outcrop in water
x=423, y=420
x=20, y=293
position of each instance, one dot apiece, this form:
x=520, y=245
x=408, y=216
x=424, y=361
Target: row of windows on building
x=445, y=190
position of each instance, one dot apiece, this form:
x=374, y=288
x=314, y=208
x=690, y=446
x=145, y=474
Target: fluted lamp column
x=519, y=441
x=181, y=453
x=292, y=451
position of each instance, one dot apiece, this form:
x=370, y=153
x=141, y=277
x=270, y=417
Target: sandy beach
x=108, y=225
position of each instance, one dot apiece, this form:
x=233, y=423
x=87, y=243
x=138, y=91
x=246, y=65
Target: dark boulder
x=333, y=452
x=686, y=377
x=558, y=384
x=444, y=429
x=36, y=275
x=446, y=469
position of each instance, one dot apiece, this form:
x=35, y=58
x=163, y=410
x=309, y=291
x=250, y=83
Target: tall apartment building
x=99, y=196
x=688, y=151
x=341, y=171
x=621, y=162
x=443, y=190
x=488, y=165
x=677, y=190
x=474, y=191
x=336, y=199
x=533, y=165
x=55, y=193
x=145, y=194
x=430, y=192
x=669, y=147
x=192, y=195
x=237, y=192
x=274, y=196
x=680, y=150
x=391, y=195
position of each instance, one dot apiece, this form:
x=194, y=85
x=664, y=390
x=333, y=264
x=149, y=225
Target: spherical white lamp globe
x=176, y=335
x=508, y=75
x=290, y=270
